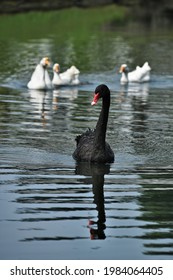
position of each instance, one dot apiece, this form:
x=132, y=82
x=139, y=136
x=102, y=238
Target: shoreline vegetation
x=151, y=12
x=20, y=6
x=76, y=21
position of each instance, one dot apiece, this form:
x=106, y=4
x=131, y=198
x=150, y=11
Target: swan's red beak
x=95, y=99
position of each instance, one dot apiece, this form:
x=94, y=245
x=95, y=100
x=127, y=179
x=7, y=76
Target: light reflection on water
x=47, y=198
x=52, y=207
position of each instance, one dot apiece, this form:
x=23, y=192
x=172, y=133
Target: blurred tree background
x=153, y=12
x=145, y=8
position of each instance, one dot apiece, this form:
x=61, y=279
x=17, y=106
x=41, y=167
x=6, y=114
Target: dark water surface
x=53, y=208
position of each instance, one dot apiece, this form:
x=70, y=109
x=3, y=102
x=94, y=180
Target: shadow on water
x=97, y=172
x=48, y=191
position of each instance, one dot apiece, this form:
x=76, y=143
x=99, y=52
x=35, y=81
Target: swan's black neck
x=100, y=131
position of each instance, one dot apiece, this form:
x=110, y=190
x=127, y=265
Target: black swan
x=91, y=145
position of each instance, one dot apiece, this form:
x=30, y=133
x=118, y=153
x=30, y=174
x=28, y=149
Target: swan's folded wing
x=83, y=148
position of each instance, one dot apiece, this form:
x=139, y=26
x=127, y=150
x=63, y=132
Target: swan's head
x=124, y=68
x=56, y=68
x=101, y=91
x=45, y=61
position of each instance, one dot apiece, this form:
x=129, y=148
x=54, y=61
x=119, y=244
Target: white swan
x=40, y=78
x=69, y=77
x=139, y=75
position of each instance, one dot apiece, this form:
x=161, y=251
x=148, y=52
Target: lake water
x=50, y=206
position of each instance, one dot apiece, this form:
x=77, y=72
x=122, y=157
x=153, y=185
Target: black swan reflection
x=92, y=145
x=97, y=173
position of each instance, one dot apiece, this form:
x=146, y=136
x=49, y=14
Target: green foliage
x=79, y=22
